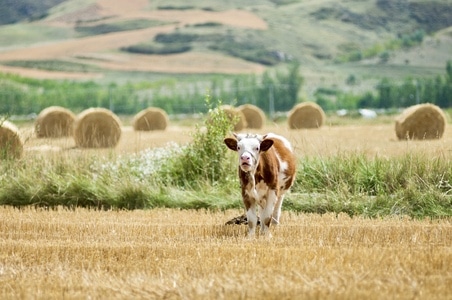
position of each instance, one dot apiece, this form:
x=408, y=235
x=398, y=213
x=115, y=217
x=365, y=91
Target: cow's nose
x=245, y=157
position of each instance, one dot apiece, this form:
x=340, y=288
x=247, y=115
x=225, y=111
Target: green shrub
x=52, y=65
x=158, y=49
x=248, y=50
x=176, y=37
x=172, y=7
x=116, y=27
x=205, y=159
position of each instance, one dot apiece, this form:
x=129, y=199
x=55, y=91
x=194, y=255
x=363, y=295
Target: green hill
x=331, y=39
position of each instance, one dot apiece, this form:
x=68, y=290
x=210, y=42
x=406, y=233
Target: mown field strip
x=191, y=254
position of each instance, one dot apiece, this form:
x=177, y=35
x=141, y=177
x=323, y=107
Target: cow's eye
x=257, y=148
x=238, y=147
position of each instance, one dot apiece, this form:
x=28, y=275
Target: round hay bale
x=254, y=116
x=422, y=121
x=54, y=122
x=97, y=128
x=306, y=115
x=152, y=118
x=235, y=114
x=11, y=144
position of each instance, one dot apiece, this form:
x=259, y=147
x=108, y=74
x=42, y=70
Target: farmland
x=340, y=135
x=369, y=216
x=187, y=254
x=182, y=249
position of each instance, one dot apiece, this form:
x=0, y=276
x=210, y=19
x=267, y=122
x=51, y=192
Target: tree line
x=272, y=92
x=391, y=94
x=22, y=96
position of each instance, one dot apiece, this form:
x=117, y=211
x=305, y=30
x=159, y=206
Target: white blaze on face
x=248, y=151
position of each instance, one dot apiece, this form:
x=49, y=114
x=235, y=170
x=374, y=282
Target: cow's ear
x=266, y=144
x=231, y=143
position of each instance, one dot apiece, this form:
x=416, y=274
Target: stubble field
x=188, y=254
x=373, y=138
x=172, y=254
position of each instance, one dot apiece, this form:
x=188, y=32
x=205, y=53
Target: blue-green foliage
x=20, y=95
x=390, y=94
x=414, y=91
x=204, y=159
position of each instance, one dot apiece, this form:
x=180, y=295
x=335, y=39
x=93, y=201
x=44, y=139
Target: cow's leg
x=266, y=212
x=277, y=209
x=251, y=217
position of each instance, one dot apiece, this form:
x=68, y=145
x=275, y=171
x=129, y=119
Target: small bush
x=208, y=24
x=205, y=159
x=52, y=65
x=176, y=38
x=172, y=7
x=116, y=27
x=157, y=49
x=248, y=51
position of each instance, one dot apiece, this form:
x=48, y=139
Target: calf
x=266, y=171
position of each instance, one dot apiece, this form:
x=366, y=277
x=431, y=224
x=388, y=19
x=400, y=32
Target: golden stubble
x=187, y=254
x=366, y=139
x=177, y=254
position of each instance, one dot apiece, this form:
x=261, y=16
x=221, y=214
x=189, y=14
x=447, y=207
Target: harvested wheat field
x=192, y=254
x=371, y=140
x=174, y=254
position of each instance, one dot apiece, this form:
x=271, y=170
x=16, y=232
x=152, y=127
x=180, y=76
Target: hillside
x=13, y=11
x=331, y=39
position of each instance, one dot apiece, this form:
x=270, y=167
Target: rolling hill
x=331, y=39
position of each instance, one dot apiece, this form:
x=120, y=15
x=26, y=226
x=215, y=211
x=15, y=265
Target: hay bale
x=306, y=115
x=235, y=114
x=422, y=121
x=254, y=116
x=152, y=118
x=97, y=128
x=11, y=144
x=54, y=122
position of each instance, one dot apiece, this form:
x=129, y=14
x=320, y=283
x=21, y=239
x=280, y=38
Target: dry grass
x=54, y=122
x=174, y=254
x=255, y=117
x=369, y=139
x=190, y=254
x=97, y=128
x=151, y=118
x=306, y=115
x=11, y=143
x=422, y=121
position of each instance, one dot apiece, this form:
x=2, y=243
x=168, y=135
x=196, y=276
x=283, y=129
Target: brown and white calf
x=267, y=168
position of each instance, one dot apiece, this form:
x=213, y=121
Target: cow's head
x=249, y=147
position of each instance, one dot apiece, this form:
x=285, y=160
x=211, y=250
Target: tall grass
x=184, y=178
x=413, y=184
x=202, y=174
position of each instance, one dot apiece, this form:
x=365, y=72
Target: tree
x=385, y=94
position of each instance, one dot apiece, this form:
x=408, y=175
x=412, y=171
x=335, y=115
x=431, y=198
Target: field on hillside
x=316, y=33
x=174, y=254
